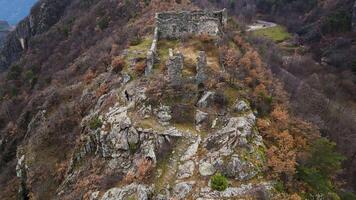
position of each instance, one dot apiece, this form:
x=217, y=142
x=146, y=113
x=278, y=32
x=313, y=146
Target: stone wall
x=175, y=67
x=151, y=54
x=178, y=24
x=201, y=75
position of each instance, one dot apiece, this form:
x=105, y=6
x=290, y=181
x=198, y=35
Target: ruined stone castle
x=178, y=24
x=175, y=25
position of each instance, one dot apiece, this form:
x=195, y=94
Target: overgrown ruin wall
x=178, y=24
x=172, y=25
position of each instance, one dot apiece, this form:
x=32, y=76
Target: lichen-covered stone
x=206, y=99
x=182, y=190
x=200, y=117
x=206, y=169
x=133, y=190
x=186, y=170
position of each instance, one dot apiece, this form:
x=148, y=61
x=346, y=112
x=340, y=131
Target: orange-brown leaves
x=118, y=64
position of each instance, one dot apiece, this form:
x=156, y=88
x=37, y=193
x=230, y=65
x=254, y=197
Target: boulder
x=192, y=150
x=239, y=169
x=182, y=190
x=186, y=170
x=207, y=98
x=241, y=106
x=206, y=169
x=200, y=117
x=136, y=191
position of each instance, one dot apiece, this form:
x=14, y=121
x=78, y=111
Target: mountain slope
x=80, y=120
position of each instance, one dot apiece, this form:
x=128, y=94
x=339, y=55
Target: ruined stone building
x=175, y=25
x=178, y=24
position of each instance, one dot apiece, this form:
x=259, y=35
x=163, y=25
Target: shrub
x=320, y=167
x=219, y=182
x=103, y=23
x=118, y=64
x=14, y=72
x=140, y=67
x=95, y=123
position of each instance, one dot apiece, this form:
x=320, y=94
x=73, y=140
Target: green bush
x=219, y=182
x=279, y=187
x=95, y=123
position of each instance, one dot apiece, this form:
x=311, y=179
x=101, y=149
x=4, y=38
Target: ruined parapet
x=179, y=24
x=201, y=68
x=174, y=67
x=151, y=54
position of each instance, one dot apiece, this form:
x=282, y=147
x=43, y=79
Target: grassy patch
x=231, y=94
x=139, y=50
x=277, y=33
x=150, y=123
x=95, y=123
x=163, y=47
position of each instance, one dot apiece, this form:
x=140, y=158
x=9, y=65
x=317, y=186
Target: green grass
x=163, y=47
x=143, y=47
x=277, y=33
x=231, y=94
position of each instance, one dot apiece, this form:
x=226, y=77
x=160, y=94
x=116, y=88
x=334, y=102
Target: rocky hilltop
x=107, y=100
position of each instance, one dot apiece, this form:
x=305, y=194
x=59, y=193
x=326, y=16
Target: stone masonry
x=174, y=67
x=201, y=75
x=170, y=25
x=179, y=24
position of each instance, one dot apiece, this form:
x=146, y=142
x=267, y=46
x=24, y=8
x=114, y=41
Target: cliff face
x=43, y=15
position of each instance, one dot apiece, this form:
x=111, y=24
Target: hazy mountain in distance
x=15, y=10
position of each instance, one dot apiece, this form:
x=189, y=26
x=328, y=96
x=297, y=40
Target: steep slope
x=80, y=120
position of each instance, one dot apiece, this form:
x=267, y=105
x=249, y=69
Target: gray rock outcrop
x=134, y=191
x=206, y=99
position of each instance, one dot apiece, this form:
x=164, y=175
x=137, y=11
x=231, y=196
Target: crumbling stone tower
x=201, y=75
x=174, y=67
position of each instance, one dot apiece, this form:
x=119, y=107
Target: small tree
x=320, y=167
